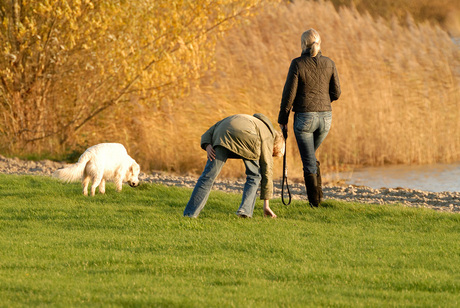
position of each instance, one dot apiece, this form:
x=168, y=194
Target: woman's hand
x=267, y=210
x=284, y=130
x=211, y=152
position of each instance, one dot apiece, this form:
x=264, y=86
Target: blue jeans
x=310, y=129
x=212, y=169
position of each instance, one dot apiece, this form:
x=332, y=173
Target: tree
x=63, y=63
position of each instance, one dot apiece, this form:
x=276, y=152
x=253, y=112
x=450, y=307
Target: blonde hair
x=311, y=40
x=278, y=144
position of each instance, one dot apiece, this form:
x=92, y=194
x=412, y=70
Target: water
x=456, y=40
x=435, y=178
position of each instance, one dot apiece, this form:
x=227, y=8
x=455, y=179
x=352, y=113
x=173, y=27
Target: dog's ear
x=134, y=167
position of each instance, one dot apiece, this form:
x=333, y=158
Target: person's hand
x=267, y=210
x=211, y=152
x=284, y=130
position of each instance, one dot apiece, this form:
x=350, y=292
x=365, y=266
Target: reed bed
x=442, y=12
x=400, y=100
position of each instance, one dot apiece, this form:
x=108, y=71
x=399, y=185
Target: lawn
x=134, y=249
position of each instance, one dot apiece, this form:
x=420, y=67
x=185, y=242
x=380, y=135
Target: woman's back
x=311, y=85
x=317, y=83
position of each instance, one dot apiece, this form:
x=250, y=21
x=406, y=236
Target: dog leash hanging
x=285, y=181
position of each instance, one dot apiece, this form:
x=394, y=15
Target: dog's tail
x=74, y=173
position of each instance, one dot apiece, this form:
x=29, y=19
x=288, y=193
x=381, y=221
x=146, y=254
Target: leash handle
x=285, y=181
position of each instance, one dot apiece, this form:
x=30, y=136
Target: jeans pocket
x=327, y=123
x=303, y=123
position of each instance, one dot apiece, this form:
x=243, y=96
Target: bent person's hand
x=267, y=210
x=211, y=152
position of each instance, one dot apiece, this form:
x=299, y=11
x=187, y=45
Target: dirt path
x=444, y=201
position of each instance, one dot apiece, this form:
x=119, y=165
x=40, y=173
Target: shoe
x=311, y=184
x=319, y=182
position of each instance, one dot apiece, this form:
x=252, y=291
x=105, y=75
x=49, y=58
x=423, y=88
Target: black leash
x=285, y=181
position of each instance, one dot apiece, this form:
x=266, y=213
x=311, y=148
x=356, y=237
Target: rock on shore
x=443, y=201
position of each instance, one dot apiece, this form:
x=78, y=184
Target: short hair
x=310, y=39
x=278, y=144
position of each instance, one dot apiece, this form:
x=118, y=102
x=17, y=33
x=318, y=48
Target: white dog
x=99, y=163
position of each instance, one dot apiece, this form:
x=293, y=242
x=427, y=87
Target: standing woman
x=311, y=85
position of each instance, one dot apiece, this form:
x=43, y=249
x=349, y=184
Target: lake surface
x=456, y=40
x=435, y=178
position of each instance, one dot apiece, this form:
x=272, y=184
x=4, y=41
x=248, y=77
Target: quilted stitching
x=311, y=85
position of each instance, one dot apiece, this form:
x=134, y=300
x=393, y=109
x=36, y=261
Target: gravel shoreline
x=443, y=201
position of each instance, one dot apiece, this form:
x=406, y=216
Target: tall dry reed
x=400, y=100
x=443, y=12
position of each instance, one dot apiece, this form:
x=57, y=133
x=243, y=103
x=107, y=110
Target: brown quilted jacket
x=311, y=85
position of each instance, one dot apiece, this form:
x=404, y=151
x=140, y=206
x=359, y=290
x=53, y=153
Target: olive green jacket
x=249, y=137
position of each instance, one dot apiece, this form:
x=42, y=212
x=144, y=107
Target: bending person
x=311, y=85
x=250, y=138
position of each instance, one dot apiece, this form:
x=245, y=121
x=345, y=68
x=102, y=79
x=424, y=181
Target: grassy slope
x=134, y=248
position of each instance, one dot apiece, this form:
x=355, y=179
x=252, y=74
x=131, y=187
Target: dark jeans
x=310, y=129
x=212, y=169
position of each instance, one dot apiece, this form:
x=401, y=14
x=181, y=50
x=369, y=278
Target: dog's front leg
x=118, y=184
x=102, y=186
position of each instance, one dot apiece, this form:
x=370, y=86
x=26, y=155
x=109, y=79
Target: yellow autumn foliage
x=154, y=75
x=70, y=66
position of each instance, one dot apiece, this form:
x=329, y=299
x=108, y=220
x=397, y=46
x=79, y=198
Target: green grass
x=134, y=249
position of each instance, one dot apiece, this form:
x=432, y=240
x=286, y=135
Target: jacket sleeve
x=289, y=93
x=206, y=138
x=266, y=170
x=334, y=86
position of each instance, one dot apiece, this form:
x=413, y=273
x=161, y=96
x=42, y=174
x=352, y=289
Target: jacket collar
x=267, y=122
x=307, y=53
